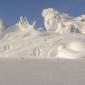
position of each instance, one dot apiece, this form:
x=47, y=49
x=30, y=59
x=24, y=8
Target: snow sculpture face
x=50, y=20
x=23, y=23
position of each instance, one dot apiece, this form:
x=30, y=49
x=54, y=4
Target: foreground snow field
x=16, y=71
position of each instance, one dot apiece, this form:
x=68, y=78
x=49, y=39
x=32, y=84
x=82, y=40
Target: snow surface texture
x=64, y=37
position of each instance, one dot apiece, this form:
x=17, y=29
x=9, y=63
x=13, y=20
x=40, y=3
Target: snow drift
x=64, y=37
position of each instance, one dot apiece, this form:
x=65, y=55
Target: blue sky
x=11, y=10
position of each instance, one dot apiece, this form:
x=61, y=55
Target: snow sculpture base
x=36, y=44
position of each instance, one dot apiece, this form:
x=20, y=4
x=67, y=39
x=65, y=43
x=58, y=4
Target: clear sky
x=11, y=10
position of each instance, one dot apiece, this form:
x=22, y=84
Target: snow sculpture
x=72, y=49
x=79, y=24
x=50, y=22
x=23, y=41
x=53, y=20
x=25, y=25
x=23, y=22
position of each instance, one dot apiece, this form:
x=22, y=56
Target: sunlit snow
x=64, y=37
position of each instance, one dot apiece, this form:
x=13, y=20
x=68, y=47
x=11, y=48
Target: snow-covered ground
x=16, y=71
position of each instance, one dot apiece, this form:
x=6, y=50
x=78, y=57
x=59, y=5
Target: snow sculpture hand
x=23, y=23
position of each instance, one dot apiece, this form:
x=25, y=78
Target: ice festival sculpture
x=61, y=23
x=64, y=37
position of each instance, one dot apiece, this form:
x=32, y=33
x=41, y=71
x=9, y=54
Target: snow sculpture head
x=50, y=12
x=53, y=20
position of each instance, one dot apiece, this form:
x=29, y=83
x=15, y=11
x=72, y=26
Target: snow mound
x=64, y=37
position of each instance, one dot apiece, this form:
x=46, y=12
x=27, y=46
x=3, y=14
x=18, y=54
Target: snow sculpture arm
x=58, y=22
x=49, y=21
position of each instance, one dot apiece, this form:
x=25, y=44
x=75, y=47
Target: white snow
x=64, y=37
x=23, y=71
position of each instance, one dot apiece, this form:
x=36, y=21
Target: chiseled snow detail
x=63, y=37
x=72, y=49
x=38, y=52
x=55, y=21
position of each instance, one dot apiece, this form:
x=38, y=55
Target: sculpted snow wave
x=73, y=49
x=64, y=37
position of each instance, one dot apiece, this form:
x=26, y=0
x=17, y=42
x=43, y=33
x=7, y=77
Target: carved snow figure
x=23, y=40
x=50, y=22
x=79, y=23
x=55, y=21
